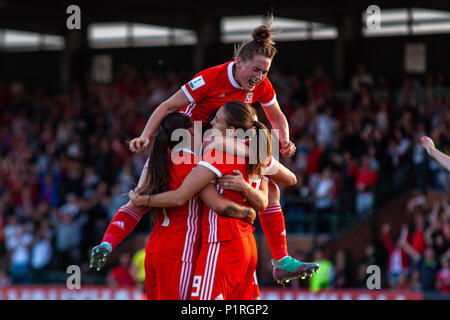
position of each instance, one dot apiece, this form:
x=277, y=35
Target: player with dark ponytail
x=174, y=242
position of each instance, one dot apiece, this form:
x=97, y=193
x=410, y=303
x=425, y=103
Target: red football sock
x=272, y=223
x=124, y=221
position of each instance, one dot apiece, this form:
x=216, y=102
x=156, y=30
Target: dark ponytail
x=157, y=179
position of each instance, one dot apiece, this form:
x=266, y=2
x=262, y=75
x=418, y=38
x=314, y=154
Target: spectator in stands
x=417, y=238
x=398, y=147
x=324, y=278
x=382, y=117
x=440, y=243
x=5, y=281
x=425, y=264
x=321, y=87
x=20, y=256
x=117, y=200
x=347, y=188
x=12, y=232
x=49, y=189
x=90, y=181
x=71, y=206
x=304, y=146
x=361, y=77
x=95, y=209
x=137, y=267
x=435, y=234
x=126, y=179
x=443, y=276
x=298, y=201
x=403, y=282
x=365, y=179
x=398, y=260
x=323, y=192
x=41, y=251
x=68, y=232
x=119, y=276
x=341, y=272
x=367, y=260
x=416, y=282
x=314, y=161
x=325, y=126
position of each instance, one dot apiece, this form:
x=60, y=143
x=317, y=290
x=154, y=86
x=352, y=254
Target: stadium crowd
x=65, y=167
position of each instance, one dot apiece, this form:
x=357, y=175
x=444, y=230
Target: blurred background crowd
x=65, y=169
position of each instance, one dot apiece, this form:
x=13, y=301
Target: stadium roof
x=49, y=16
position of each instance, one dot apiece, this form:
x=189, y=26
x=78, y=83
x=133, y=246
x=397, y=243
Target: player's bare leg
x=285, y=267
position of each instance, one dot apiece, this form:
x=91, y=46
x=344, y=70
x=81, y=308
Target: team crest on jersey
x=249, y=97
x=196, y=83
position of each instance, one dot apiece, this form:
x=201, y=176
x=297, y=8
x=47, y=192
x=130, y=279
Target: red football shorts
x=167, y=278
x=225, y=270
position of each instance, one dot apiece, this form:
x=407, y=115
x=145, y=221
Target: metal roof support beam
x=74, y=58
x=348, y=46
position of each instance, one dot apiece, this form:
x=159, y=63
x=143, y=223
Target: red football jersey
x=176, y=233
x=213, y=87
x=219, y=228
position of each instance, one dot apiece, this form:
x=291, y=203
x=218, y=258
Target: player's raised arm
x=279, y=122
x=174, y=103
x=439, y=156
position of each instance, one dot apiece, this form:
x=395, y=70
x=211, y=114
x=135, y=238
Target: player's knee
x=274, y=193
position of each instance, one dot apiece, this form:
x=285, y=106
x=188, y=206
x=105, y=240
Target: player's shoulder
x=208, y=76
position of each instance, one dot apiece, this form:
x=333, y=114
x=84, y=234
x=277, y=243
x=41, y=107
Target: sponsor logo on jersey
x=120, y=224
x=196, y=83
x=249, y=97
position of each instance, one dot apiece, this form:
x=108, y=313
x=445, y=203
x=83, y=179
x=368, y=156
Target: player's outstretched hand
x=427, y=143
x=287, y=149
x=139, y=144
x=99, y=255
